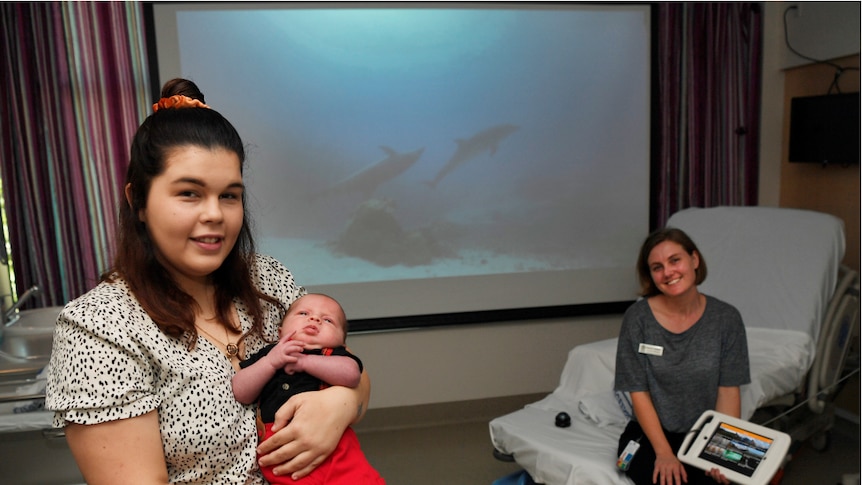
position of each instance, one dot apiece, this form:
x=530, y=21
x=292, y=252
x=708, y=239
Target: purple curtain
x=75, y=86
x=709, y=69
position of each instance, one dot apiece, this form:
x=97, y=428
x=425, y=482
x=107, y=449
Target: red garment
x=346, y=465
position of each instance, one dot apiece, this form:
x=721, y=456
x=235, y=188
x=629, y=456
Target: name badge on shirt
x=651, y=349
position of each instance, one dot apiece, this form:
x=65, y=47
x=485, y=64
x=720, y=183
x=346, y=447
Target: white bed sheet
x=585, y=453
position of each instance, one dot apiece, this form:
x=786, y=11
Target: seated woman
x=679, y=354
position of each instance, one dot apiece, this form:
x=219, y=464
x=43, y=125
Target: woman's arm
x=125, y=451
x=668, y=469
x=728, y=401
x=308, y=427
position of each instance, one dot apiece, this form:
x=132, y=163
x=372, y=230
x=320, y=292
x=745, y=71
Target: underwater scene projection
x=452, y=159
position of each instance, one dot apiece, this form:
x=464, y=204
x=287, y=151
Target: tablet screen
x=736, y=449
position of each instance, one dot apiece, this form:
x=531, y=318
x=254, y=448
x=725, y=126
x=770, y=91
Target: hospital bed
x=781, y=268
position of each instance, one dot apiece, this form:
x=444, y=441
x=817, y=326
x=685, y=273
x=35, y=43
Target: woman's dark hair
x=183, y=87
x=648, y=287
x=135, y=262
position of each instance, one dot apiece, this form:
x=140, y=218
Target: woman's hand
x=309, y=426
x=668, y=471
x=716, y=475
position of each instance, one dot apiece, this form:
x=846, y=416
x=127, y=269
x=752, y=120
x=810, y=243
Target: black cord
x=839, y=70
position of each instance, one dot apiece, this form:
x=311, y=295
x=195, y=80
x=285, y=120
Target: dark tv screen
x=825, y=129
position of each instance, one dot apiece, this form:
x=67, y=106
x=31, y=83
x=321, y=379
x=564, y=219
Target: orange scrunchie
x=178, y=101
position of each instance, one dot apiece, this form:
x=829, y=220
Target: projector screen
x=435, y=163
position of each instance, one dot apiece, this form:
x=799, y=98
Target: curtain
x=709, y=79
x=75, y=84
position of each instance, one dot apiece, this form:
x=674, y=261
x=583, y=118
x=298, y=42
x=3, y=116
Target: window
x=7, y=275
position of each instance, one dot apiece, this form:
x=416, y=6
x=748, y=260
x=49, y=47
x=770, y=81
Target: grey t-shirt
x=683, y=381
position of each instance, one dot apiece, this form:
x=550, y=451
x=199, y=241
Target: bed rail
x=840, y=325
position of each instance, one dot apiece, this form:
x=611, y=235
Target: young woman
x=679, y=354
x=140, y=374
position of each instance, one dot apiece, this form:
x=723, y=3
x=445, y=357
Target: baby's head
x=317, y=320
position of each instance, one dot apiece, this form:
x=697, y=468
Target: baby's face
x=316, y=320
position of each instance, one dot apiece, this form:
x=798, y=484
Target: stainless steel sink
x=25, y=350
x=31, y=334
x=25, y=346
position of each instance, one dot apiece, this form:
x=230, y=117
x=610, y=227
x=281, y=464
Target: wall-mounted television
x=435, y=163
x=825, y=129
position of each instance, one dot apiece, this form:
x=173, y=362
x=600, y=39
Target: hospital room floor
x=461, y=454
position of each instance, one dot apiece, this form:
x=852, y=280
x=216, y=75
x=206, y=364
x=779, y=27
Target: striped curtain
x=709, y=69
x=75, y=88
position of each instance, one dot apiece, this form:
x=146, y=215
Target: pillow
x=606, y=408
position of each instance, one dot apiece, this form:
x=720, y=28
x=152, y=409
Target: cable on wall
x=839, y=70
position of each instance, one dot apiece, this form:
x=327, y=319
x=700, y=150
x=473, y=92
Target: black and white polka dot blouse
x=110, y=361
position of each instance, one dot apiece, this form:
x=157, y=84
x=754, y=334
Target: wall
x=435, y=365
x=772, y=101
x=819, y=30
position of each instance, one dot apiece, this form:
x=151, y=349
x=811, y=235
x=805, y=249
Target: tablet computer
x=744, y=452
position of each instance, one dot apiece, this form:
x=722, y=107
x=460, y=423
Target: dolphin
x=369, y=178
x=474, y=146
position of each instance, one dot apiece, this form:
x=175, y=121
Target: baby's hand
x=296, y=366
x=285, y=353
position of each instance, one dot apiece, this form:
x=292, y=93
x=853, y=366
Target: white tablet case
x=744, y=452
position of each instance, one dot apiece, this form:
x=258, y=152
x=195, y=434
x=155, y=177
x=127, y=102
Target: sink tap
x=10, y=316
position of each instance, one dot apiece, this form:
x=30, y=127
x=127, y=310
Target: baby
x=309, y=355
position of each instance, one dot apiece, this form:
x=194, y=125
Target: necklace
x=231, y=349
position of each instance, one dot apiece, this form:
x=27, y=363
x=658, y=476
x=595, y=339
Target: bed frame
x=809, y=414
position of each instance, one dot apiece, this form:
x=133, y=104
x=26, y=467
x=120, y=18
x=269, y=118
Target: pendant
x=232, y=350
